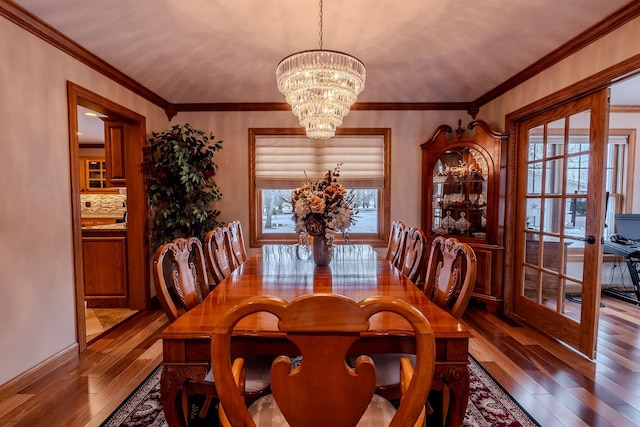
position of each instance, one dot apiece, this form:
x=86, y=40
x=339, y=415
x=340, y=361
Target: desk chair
x=181, y=283
x=323, y=390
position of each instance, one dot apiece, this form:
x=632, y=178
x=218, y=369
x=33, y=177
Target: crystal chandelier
x=321, y=86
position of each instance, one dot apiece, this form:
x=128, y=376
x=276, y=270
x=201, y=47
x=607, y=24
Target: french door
x=560, y=220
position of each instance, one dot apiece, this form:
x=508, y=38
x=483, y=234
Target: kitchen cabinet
x=104, y=253
x=93, y=175
x=463, y=190
x=114, y=148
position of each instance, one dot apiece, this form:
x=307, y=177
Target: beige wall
x=408, y=131
x=36, y=265
x=37, y=311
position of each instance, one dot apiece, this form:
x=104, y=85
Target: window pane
x=277, y=216
x=553, y=176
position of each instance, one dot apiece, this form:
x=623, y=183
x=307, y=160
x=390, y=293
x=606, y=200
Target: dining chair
x=451, y=275
x=320, y=388
x=395, y=239
x=449, y=281
x=236, y=239
x=180, y=276
x=181, y=284
x=217, y=248
x=413, y=254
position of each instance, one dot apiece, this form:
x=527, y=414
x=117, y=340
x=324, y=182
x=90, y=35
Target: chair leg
x=186, y=408
x=205, y=407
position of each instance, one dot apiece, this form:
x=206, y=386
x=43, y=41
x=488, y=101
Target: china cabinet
x=463, y=189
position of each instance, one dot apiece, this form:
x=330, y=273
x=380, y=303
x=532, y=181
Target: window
x=619, y=173
x=279, y=159
x=618, y=183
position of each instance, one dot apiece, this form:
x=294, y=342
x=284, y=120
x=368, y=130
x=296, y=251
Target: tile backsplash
x=103, y=203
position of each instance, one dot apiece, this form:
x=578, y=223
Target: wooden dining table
x=288, y=271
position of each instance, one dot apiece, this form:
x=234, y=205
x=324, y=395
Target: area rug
x=489, y=405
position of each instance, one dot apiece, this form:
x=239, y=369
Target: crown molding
x=41, y=29
x=601, y=29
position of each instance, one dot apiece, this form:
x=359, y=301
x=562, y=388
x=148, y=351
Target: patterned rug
x=489, y=405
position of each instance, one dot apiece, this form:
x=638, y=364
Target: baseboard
x=34, y=374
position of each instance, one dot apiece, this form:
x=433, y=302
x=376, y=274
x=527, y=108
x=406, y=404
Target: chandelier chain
x=320, y=24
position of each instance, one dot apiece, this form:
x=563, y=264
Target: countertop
x=118, y=229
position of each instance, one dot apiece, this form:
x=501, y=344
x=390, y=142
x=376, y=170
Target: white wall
x=37, y=310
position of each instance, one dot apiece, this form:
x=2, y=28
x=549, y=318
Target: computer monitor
x=628, y=226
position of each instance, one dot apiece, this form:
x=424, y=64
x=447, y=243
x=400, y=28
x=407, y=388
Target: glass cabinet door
x=460, y=178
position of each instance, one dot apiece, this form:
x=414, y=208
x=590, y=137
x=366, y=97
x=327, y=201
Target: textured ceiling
x=191, y=51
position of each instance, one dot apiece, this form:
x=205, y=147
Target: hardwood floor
x=554, y=384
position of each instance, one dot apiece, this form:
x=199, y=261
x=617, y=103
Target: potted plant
x=181, y=188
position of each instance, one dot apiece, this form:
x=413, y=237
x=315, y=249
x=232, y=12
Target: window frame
x=257, y=238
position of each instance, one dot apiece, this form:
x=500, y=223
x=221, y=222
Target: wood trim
x=624, y=109
x=38, y=372
x=137, y=236
x=598, y=81
x=597, y=31
x=91, y=145
x=283, y=106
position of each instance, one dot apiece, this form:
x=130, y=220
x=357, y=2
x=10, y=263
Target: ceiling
x=209, y=51
x=415, y=51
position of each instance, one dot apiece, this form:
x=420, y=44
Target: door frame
x=592, y=84
x=138, y=271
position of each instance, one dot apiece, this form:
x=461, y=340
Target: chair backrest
x=236, y=238
x=323, y=390
x=451, y=274
x=180, y=274
x=217, y=248
x=395, y=239
x=413, y=256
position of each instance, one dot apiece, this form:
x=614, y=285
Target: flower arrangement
x=323, y=208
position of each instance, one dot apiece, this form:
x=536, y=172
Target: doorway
x=137, y=247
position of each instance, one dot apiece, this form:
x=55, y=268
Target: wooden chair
x=323, y=390
x=395, y=239
x=180, y=274
x=217, y=248
x=413, y=254
x=451, y=275
x=449, y=281
x=236, y=239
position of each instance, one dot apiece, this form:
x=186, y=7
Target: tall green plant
x=180, y=179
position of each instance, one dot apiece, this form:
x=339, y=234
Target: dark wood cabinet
x=104, y=255
x=463, y=190
x=114, y=149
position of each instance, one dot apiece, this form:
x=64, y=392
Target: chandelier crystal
x=321, y=86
